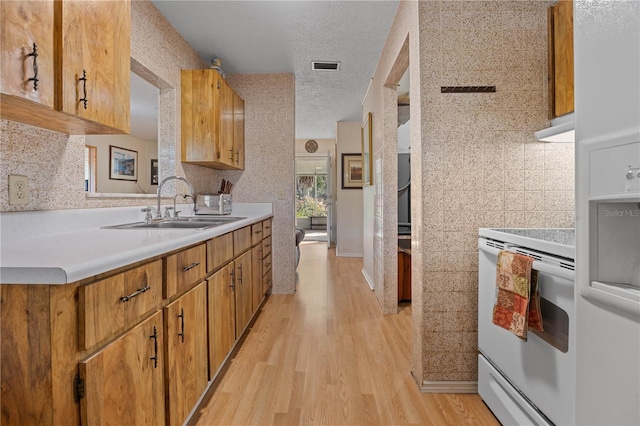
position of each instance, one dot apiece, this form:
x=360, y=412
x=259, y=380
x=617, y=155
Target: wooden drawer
x=256, y=233
x=266, y=246
x=266, y=228
x=241, y=240
x=219, y=251
x=184, y=269
x=266, y=263
x=107, y=306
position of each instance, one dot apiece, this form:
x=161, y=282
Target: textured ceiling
x=256, y=37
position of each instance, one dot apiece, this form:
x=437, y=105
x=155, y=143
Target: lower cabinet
x=257, y=295
x=243, y=292
x=186, y=352
x=124, y=382
x=222, y=332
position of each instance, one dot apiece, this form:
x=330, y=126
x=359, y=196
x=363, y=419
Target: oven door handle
x=543, y=267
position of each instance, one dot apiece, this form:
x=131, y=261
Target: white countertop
x=64, y=246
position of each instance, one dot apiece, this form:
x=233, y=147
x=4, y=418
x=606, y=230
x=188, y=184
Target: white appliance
x=607, y=118
x=529, y=382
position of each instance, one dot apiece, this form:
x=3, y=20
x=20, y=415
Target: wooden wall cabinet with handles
x=82, y=65
x=212, y=121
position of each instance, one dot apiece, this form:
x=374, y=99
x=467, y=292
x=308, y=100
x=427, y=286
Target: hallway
x=328, y=356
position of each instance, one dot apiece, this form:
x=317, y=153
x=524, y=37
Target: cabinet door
x=186, y=343
x=23, y=24
x=226, y=125
x=238, y=131
x=561, y=57
x=256, y=280
x=124, y=383
x=243, y=292
x=221, y=316
x=200, y=112
x=95, y=37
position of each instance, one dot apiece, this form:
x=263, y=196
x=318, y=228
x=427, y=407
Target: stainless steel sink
x=193, y=222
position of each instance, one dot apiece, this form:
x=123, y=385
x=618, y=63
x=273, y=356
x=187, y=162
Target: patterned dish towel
x=517, y=303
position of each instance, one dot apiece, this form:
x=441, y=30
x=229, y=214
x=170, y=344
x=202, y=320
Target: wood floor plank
x=327, y=356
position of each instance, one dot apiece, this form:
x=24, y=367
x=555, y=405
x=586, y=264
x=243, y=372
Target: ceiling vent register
x=325, y=66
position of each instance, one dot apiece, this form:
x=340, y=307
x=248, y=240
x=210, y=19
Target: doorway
x=313, y=197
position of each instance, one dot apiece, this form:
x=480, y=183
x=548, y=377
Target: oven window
x=555, y=322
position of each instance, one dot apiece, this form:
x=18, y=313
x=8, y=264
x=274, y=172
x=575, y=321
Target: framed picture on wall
x=154, y=171
x=351, y=171
x=123, y=164
x=367, y=155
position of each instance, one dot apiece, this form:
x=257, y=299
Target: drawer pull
x=267, y=245
x=135, y=293
x=266, y=265
x=240, y=271
x=233, y=279
x=154, y=336
x=193, y=265
x=181, y=316
x=259, y=231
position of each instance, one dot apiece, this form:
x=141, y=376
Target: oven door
x=541, y=368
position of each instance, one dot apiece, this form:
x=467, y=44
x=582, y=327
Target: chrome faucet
x=158, y=213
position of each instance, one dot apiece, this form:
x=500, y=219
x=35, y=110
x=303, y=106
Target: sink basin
x=193, y=222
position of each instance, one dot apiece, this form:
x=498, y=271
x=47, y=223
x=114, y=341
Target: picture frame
x=154, y=171
x=123, y=164
x=367, y=154
x=352, y=171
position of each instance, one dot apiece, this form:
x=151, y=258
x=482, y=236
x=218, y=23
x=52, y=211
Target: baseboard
x=348, y=254
x=449, y=387
x=367, y=278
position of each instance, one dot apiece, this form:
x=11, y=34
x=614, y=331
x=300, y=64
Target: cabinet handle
x=237, y=157
x=259, y=231
x=193, y=265
x=266, y=265
x=267, y=245
x=233, y=279
x=240, y=270
x=83, y=79
x=35, y=67
x=135, y=293
x=154, y=336
x=231, y=157
x=181, y=316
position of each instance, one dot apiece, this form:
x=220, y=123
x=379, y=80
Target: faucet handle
x=148, y=216
x=167, y=214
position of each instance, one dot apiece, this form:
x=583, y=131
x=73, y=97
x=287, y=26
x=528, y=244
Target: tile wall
x=476, y=162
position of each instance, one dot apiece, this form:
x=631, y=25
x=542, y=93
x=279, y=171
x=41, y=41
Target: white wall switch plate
x=18, y=189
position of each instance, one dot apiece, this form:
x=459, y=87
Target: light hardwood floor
x=327, y=356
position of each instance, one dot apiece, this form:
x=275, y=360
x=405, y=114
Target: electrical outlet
x=281, y=195
x=18, y=189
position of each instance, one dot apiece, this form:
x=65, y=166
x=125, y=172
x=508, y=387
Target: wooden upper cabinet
x=210, y=109
x=94, y=39
x=561, y=100
x=25, y=23
x=238, y=131
x=71, y=36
